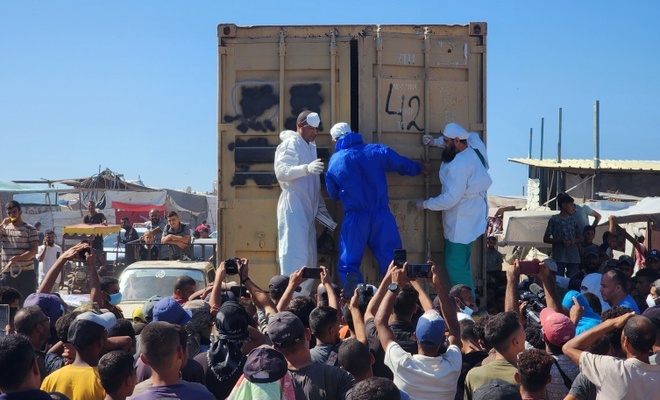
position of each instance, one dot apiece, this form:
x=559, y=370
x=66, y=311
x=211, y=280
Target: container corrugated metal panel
x=392, y=83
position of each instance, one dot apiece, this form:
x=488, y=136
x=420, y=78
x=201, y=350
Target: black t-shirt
x=403, y=335
x=322, y=381
x=98, y=218
x=220, y=390
x=469, y=361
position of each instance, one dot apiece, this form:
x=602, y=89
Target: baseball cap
x=339, y=130
x=626, y=259
x=264, y=364
x=654, y=254
x=278, y=284
x=285, y=329
x=551, y=264
x=455, y=131
x=557, y=328
x=591, y=250
x=50, y=304
x=497, y=389
x=321, y=291
x=310, y=117
x=430, y=329
x=88, y=326
x=148, y=307
x=168, y=310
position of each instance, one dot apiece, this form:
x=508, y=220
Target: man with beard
x=156, y=226
x=463, y=199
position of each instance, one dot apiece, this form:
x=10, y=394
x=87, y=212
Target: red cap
x=557, y=328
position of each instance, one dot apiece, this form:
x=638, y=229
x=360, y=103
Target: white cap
x=339, y=130
x=455, y=131
x=313, y=119
x=106, y=320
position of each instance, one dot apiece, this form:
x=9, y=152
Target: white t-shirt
x=49, y=259
x=425, y=377
x=620, y=379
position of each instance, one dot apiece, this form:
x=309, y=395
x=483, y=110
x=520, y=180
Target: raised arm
x=447, y=308
x=358, y=319
x=375, y=301
x=54, y=271
x=216, y=293
x=550, y=288
x=424, y=298
x=260, y=299
x=511, y=294
x=326, y=279
x=295, y=280
x=385, y=334
x=573, y=348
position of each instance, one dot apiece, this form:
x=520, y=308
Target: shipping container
x=391, y=83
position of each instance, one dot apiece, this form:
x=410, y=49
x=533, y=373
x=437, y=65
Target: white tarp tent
x=526, y=228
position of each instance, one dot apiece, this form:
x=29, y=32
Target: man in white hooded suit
x=297, y=168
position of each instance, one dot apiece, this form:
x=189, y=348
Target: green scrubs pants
x=457, y=263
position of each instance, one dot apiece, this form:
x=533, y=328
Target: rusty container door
x=391, y=83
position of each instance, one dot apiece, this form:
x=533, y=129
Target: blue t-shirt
x=178, y=391
x=630, y=303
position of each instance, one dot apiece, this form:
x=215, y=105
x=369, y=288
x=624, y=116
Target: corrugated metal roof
x=588, y=164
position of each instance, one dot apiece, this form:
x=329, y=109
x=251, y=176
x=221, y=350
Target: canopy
x=87, y=229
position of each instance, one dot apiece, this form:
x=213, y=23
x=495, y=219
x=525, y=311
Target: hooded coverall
x=356, y=176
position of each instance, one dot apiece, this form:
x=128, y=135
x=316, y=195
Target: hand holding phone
x=529, y=267
x=416, y=271
x=400, y=256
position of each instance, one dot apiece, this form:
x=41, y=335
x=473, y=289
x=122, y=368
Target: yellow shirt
x=77, y=383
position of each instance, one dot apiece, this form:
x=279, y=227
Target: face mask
x=467, y=310
x=650, y=300
x=114, y=299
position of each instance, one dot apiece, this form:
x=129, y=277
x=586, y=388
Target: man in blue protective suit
x=356, y=176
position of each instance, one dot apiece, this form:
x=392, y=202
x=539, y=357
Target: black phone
x=415, y=271
x=311, y=273
x=350, y=284
x=400, y=256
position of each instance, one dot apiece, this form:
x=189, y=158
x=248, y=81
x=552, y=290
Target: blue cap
x=430, y=329
x=591, y=250
x=654, y=254
x=168, y=310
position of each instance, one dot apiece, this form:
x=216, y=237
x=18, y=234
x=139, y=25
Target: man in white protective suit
x=463, y=198
x=297, y=169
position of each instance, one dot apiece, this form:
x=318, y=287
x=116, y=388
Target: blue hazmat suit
x=356, y=176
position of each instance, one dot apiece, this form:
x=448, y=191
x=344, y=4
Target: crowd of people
x=580, y=325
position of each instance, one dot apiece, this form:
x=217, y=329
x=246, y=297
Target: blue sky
x=131, y=86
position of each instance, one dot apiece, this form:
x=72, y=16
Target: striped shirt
x=15, y=240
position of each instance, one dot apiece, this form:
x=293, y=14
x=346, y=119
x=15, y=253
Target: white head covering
x=591, y=284
x=339, y=130
x=313, y=119
x=455, y=131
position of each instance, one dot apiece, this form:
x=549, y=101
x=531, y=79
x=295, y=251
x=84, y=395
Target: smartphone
x=418, y=271
x=4, y=318
x=400, y=256
x=529, y=267
x=311, y=273
x=350, y=284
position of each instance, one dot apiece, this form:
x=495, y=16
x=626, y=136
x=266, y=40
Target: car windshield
x=142, y=283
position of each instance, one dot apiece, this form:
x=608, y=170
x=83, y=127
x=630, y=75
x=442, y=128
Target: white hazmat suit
x=298, y=205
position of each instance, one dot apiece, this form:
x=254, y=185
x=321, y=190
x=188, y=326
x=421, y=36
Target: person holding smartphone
x=47, y=254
